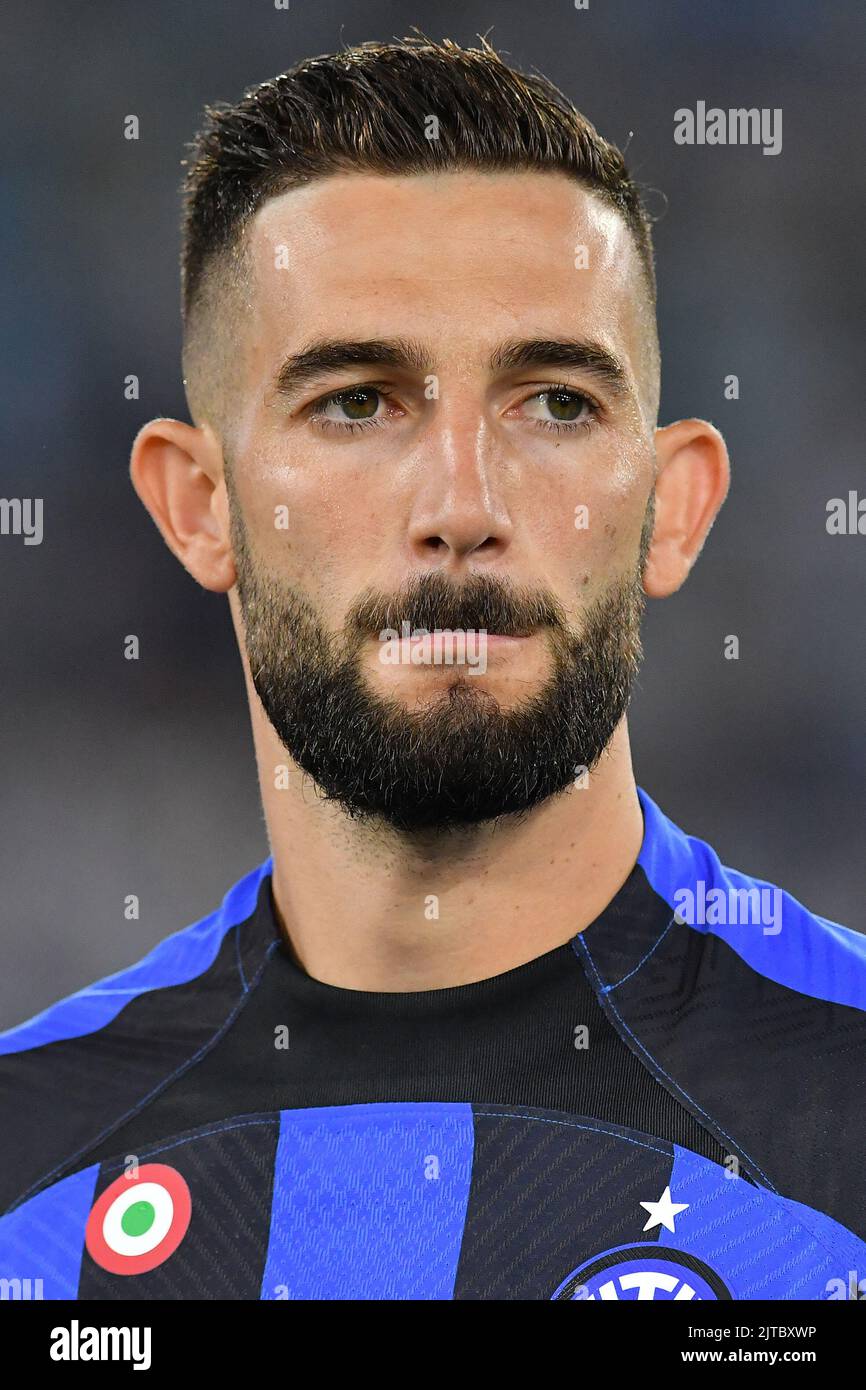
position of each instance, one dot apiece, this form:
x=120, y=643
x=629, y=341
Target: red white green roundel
x=139, y=1220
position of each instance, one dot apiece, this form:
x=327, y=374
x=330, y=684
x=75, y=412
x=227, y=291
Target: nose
x=459, y=511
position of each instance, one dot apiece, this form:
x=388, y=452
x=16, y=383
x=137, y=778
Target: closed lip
x=476, y=632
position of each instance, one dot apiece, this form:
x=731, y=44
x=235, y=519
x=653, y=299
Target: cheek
x=271, y=495
x=592, y=511
x=309, y=523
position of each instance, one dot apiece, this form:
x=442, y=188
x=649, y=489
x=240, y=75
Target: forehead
x=459, y=260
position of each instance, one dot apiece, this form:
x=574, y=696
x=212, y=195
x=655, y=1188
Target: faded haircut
x=367, y=109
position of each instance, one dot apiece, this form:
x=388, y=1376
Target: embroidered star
x=663, y=1211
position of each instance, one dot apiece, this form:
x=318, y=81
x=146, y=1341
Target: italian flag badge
x=139, y=1220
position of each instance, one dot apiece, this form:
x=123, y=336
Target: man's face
x=456, y=474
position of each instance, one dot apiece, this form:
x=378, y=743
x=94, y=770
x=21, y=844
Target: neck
x=370, y=909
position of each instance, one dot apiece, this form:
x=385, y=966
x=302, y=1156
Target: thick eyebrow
x=332, y=355
x=577, y=354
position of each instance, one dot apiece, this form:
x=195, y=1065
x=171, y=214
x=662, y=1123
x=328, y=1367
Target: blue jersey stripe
x=791, y=946
x=174, y=961
x=764, y=1246
x=369, y=1202
x=44, y=1238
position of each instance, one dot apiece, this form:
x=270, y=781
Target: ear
x=177, y=471
x=692, y=482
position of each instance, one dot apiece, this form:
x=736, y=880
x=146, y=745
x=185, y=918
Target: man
x=486, y=1024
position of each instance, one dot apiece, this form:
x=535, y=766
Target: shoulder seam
x=81, y=1154
x=580, y=948
x=189, y=944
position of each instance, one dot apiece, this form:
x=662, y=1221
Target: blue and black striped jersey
x=671, y=1105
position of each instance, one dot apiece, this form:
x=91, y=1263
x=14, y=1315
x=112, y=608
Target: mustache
x=482, y=602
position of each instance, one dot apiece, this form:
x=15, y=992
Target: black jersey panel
x=533, y=1036
x=63, y=1100
x=548, y=1192
x=779, y=1075
x=221, y=1252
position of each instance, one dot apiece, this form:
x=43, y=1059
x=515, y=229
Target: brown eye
x=563, y=405
x=359, y=404
x=560, y=408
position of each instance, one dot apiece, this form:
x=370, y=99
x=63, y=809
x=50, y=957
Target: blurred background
x=138, y=777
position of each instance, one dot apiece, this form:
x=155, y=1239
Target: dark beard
x=462, y=759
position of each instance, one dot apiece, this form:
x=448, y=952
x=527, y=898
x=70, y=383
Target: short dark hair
x=366, y=109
